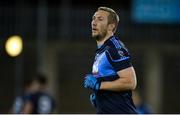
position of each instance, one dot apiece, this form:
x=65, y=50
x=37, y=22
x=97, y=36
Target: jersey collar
x=104, y=44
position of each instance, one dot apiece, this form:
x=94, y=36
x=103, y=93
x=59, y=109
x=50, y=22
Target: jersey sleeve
x=118, y=58
x=17, y=105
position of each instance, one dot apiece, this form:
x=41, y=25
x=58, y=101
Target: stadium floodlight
x=14, y=45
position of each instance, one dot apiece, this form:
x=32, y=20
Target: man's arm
x=127, y=81
x=28, y=107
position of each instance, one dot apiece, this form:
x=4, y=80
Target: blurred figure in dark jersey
x=141, y=106
x=36, y=99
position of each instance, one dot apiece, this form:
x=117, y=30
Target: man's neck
x=101, y=42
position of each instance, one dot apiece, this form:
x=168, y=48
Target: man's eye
x=100, y=19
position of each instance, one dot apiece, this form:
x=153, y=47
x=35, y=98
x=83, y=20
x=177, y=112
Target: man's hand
x=93, y=99
x=91, y=82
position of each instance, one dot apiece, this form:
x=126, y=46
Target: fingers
x=90, y=81
x=86, y=84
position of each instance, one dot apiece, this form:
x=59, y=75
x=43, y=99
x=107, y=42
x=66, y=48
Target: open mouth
x=94, y=29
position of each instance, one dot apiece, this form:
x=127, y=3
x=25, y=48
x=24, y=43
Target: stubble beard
x=100, y=37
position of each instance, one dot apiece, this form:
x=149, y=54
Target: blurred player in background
x=39, y=102
x=141, y=106
x=113, y=77
x=20, y=100
x=36, y=99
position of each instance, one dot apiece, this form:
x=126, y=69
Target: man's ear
x=111, y=27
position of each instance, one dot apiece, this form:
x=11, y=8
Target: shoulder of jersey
x=115, y=49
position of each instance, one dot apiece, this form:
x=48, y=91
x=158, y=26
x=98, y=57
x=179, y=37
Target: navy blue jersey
x=144, y=109
x=110, y=58
x=42, y=103
x=19, y=104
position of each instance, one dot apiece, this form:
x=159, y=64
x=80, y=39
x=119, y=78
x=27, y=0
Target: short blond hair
x=112, y=18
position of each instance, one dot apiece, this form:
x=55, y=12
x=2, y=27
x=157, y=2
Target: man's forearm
x=118, y=85
x=127, y=81
x=27, y=108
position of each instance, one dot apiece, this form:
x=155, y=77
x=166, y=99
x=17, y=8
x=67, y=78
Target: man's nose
x=94, y=23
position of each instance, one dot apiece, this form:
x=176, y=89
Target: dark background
x=57, y=41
